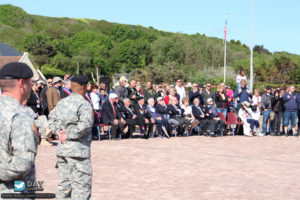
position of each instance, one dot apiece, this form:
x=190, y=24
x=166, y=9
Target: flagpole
x=225, y=48
x=251, y=48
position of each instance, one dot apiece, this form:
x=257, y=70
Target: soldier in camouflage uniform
x=72, y=120
x=18, y=141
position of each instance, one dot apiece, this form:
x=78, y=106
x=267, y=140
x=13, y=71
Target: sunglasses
x=49, y=82
x=208, y=86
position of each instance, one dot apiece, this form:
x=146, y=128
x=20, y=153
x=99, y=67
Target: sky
x=276, y=23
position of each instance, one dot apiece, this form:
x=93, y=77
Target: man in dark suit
x=111, y=116
x=213, y=118
x=129, y=116
x=198, y=113
x=144, y=117
x=44, y=96
x=177, y=113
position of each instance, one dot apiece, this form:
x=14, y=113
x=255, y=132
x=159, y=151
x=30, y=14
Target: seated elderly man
x=198, y=113
x=129, y=116
x=143, y=117
x=111, y=116
x=162, y=123
x=177, y=113
x=213, y=117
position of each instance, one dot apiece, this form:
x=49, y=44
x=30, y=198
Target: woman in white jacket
x=246, y=115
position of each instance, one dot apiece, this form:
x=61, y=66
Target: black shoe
x=295, y=135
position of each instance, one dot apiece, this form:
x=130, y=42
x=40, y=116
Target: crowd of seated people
x=162, y=110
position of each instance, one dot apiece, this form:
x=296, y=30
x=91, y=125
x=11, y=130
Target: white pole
x=225, y=49
x=251, y=48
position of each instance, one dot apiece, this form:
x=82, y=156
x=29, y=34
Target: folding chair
x=232, y=120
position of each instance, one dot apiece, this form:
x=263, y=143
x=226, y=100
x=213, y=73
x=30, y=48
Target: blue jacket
x=298, y=102
x=290, y=102
x=244, y=96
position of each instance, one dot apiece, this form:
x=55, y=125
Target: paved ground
x=189, y=168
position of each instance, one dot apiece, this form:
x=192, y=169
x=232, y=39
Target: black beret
x=16, y=70
x=268, y=88
x=139, y=98
x=81, y=79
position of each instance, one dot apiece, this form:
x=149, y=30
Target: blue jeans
x=253, y=123
x=289, y=115
x=266, y=117
x=224, y=111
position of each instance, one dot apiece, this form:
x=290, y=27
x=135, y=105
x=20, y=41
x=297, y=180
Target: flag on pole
x=225, y=29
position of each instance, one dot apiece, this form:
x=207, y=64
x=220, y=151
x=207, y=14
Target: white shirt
x=95, y=100
x=187, y=110
x=181, y=92
x=239, y=78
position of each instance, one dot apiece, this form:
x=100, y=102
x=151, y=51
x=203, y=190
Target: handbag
x=272, y=115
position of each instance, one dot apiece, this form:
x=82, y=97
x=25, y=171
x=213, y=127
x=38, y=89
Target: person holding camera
x=267, y=100
x=278, y=110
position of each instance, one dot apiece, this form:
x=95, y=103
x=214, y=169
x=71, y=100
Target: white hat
x=159, y=98
x=209, y=100
x=57, y=79
x=113, y=96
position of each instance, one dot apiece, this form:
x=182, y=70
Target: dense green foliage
x=60, y=45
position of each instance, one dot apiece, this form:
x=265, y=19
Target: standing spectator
x=278, y=110
x=242, y=93
x=103, y=97
x=44, y=96
x=298, y=102
x=53, y=93
x=102, y=86
x=194, y=93
x=132, y=93
x=267, y=100
x=240, y=77
x=200, y=87
x=111, y=116
x=34, y=101
x=149, y=92
x=66, y=91
x=229, y=92
x=207, y=93
x=95, y=99
x=66, y=77
x=139, y=90
x=121, y=91
x=180, y=90
x=291, y=108
x=222, y=100
x=256, y=105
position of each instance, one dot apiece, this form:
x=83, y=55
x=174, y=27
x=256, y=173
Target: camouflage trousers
x=74, y=178
x=42, y=123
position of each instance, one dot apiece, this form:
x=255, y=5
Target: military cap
x=139, y=98
x=268, y=88
x=16, y=70
x=80, y=79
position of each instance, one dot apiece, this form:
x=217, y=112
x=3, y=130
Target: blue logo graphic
x=19, y=186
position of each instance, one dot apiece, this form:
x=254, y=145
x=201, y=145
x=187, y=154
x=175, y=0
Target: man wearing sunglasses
x=208, y=93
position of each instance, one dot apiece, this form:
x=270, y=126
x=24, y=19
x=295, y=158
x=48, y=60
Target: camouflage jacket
x=75, y=115
x=18, y=144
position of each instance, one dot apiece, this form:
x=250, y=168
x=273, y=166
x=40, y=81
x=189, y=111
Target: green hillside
x=60, y=45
